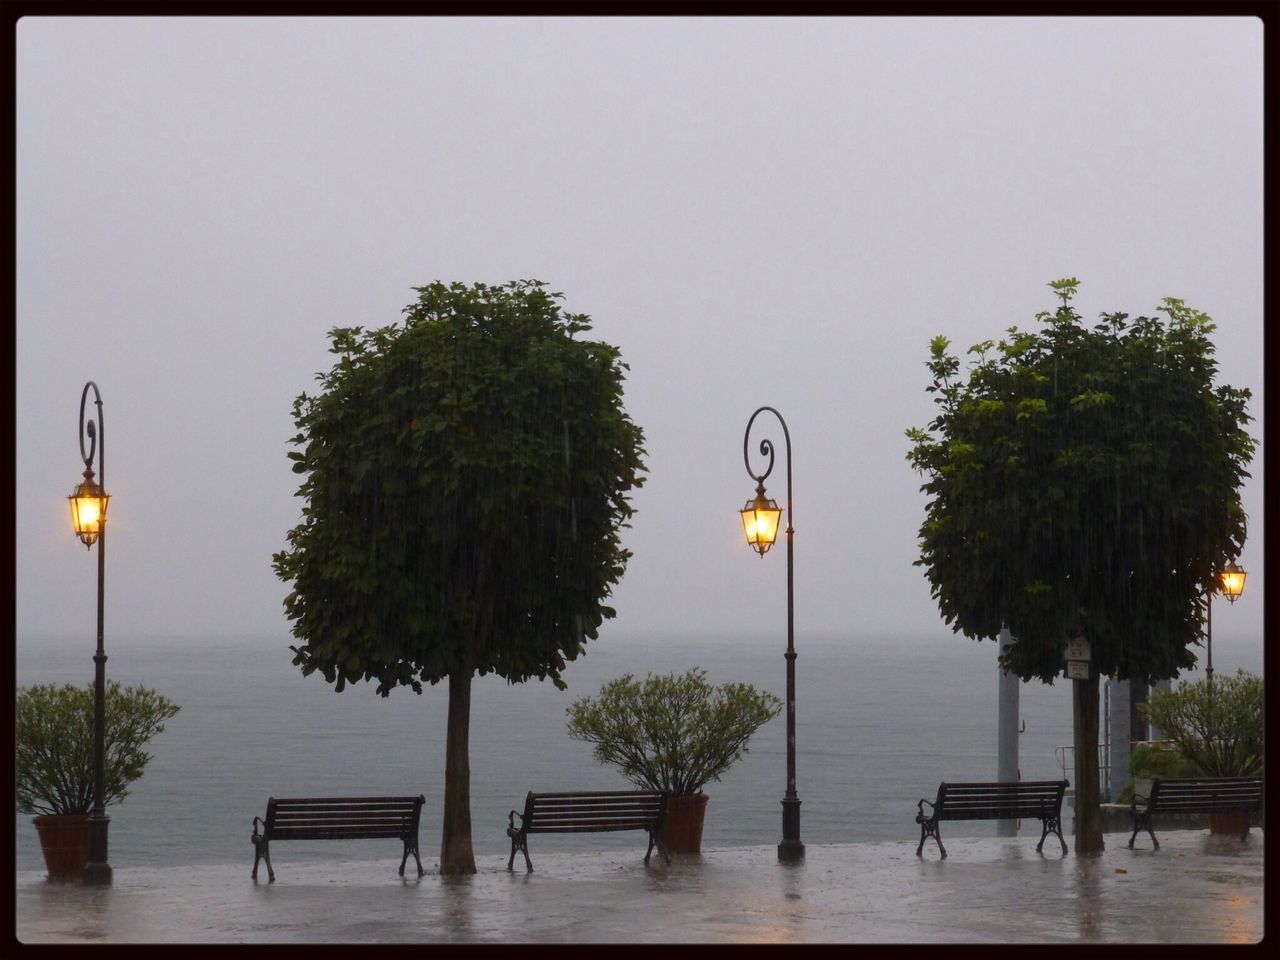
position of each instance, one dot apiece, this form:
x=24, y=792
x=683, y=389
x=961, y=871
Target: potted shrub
x=54, y=764
x=1150, y=760
x=673, y=733
x=1217, y=726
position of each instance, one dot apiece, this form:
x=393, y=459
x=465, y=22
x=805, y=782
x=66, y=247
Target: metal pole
x=98, y=870
x=1208, y=618
x=791, y=849
x=1006, y=729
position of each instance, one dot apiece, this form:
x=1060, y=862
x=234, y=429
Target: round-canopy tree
x=466, y=478
x=1084, y=482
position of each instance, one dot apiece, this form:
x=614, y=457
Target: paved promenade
x=1196, y=889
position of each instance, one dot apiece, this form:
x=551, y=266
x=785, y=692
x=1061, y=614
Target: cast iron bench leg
x=520, y=842
x=662, y=848
x=1057, y=826
x=1054, y=825
x=1141, y=820
x=929, y=828
x=410, y=846
x=661, y=843
x=262, y=851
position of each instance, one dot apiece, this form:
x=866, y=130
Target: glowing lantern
x=88, y=509
x=760, y=519
x=1232, y=581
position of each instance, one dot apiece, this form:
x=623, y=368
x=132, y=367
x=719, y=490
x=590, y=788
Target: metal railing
x=1066, y=757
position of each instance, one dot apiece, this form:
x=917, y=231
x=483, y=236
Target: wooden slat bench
x=1193, y=795
x=338, y=818
x=588, y=811
x=1001, y=800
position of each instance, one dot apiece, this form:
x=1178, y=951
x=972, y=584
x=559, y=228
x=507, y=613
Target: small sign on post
x=1077, y=654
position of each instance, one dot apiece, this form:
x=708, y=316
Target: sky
x=755, y=211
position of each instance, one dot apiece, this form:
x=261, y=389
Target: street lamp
x=760, y=519
x=1232, y=580
x=89, y=519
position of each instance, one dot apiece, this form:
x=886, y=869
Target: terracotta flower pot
x=65, y=841
x=1236, y=821
x=682, y=829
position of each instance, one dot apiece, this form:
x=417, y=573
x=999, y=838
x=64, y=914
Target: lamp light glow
x=1232, y=581
x=760, y=519
x=88, y=509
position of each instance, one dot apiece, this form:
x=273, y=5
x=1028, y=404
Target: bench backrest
x=1205, y=794
x=1000, y=800
x=583, y=811
x=342, y=818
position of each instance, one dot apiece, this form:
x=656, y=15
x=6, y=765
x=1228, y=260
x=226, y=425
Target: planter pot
x=682, y=829
x=65, y=842
x=1237, y=822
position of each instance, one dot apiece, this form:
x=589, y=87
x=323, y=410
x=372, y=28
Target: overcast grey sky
x=756, y=211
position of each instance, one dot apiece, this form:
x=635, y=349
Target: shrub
x=670, y=732
x=1217, y=725
x=54, y=744
x=1150, y=760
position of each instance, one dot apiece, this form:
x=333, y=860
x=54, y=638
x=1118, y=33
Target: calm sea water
x=879, y=722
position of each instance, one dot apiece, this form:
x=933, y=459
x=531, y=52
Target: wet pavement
x=1196, y=888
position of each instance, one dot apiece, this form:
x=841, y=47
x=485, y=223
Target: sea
x=880, y=721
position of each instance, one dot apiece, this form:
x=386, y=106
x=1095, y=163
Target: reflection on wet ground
x=1194, y=889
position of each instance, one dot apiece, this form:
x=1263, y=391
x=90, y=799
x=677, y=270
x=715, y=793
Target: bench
x=338, y=818
x=588, y=811
x=1193, y=795
x=1003, y=800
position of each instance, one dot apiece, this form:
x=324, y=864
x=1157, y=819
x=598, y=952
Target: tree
x=1084, y=482
x=466, y=478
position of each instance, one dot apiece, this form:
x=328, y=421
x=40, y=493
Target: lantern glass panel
x=760, y=518
x=1232, y=582
x=88, y=511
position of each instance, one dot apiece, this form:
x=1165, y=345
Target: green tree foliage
x=465, y=480
x=669, y=732
x=1084, y=481
x=54, y=743
x=1217, y=723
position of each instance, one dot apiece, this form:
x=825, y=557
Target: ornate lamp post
x=89, y=519
x=1232, y=580
x=760, y=519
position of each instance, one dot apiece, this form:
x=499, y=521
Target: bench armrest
x=1141, y=792
x=920, y=808
x=257, y=835
x=511, y=819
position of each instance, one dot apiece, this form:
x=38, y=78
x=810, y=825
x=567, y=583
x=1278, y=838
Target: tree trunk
x=1088, y=796
x=456, y=855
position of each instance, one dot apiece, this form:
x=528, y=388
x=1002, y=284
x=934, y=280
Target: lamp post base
x=97, y=873
x=97, y=870
x=790, y=850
